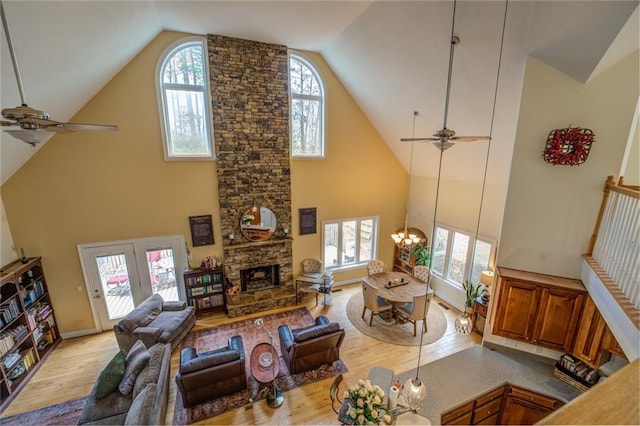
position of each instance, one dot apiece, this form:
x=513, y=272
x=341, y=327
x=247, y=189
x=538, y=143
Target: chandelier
x=404, y=239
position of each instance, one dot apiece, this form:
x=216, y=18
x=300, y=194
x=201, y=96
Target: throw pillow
x=141, y=409
x=111, y=376
x=136, y=360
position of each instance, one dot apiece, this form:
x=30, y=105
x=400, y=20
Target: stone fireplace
x=250, y=103
x=260, y=278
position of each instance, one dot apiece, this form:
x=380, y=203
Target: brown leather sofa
x=310, y=347
x=209, y=375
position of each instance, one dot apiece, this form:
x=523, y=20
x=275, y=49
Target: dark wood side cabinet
x=205, y=290
x=480, y=307
x=538, y=309
x=28, y=326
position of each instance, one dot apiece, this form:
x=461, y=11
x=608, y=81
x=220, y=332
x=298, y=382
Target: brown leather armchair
x=209, y=375
x=310, y=347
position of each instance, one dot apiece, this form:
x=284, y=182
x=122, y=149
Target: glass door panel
x=162, y=270
x=116, y=284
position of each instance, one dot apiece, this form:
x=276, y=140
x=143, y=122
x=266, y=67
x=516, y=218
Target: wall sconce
x=231, y=236
x=286, y=231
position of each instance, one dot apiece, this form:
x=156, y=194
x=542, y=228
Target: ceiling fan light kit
x=30, y=121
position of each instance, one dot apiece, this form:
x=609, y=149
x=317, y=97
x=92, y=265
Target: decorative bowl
x=266, y=359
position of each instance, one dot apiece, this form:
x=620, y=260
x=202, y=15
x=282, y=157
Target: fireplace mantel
x=256, y=244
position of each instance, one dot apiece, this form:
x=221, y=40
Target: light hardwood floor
x=73, y=367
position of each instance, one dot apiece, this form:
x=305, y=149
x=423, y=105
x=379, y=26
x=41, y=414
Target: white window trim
x=323, y=102
x=160, y=86
x=374, y=254
x=468, y=262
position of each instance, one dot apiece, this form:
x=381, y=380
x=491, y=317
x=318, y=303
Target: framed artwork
x=307, y=221
x=201, y=230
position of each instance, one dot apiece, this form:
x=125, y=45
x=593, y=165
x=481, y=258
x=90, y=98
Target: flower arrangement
x=248, y=218
x=365, y=404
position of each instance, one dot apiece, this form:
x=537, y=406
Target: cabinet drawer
x=462, y=412
x=535, y=398
x=464, y=419
x=486, y=410
x=481, y=309
x=489, y=397
x=491, y=420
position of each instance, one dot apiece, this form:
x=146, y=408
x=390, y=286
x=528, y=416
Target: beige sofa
x=146, y=405
x=155, y=321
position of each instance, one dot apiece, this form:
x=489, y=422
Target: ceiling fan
x=445, y=138
x=28, y=122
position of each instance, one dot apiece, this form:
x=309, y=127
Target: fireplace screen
x=260, y=278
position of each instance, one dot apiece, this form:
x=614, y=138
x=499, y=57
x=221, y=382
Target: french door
x=120, y=275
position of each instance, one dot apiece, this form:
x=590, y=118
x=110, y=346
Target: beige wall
x=100, y=186
x=551, y=210
x=359, y=177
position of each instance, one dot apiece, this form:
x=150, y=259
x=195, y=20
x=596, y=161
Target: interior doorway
x=119, y=275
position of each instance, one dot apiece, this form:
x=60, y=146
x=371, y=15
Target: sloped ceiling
x=392, y=56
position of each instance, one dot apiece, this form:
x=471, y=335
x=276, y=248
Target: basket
x=571, y=380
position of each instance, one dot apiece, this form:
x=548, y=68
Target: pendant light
x=414, y=390
x=464, y=323
x=404, y=239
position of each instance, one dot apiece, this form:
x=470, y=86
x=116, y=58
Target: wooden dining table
x=386, y=283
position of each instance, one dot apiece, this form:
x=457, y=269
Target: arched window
x=184, y=98
x=307, y=109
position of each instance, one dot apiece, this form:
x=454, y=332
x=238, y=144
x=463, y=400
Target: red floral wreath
x=569, y=146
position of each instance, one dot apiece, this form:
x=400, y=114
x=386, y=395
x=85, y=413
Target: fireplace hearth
x=260, y=278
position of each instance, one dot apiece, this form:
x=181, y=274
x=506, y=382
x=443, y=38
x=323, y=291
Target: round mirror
x=258, y=223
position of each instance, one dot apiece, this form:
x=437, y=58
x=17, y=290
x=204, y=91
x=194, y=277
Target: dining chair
x=415, y=311
x=422, y=273
x=382, y=377
x=377, y=305
x=375, y=266
x=334, y=394
x=314, y=279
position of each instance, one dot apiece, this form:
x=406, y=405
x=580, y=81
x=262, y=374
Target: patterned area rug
x=216, y=337
x=398, y=334
x=65, y=413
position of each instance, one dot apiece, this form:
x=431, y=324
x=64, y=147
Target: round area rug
x=398, y=334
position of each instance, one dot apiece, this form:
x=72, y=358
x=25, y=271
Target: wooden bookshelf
x=28, y=327
x=205, y=290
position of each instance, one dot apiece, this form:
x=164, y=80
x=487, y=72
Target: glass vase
x=464, y=323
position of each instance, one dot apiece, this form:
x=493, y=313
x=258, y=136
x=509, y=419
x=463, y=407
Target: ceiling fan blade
x=418, y=139
x=7, y=123
x=57, y=128
x=469, y=138
x=82, y=126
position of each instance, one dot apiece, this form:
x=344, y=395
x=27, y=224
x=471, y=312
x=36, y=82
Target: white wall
x=7, y=252
x=551, y=210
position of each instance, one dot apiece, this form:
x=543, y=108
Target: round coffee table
x=265, y=372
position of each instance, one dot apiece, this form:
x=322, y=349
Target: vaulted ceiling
x=392, y=56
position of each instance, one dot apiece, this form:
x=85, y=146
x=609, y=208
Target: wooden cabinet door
x=516, y=312
x=525, y=407
x=557, y=318
x=591, y=332
x=518, y=411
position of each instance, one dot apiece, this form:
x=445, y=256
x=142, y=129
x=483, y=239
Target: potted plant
x=421, y=254
x=473, y=291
